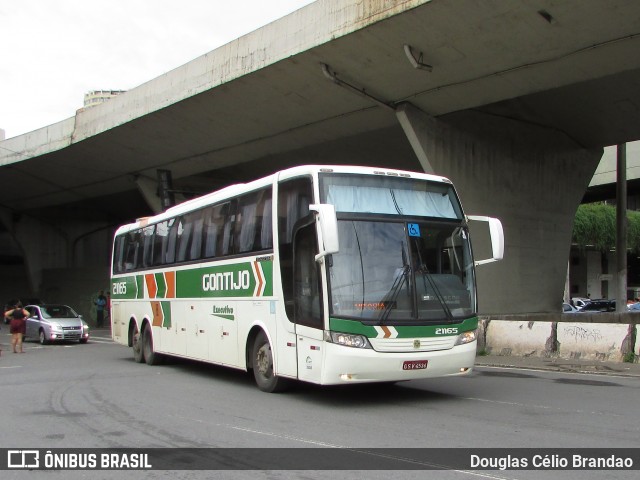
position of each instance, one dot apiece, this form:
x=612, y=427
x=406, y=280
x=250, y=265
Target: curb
x=611, y=369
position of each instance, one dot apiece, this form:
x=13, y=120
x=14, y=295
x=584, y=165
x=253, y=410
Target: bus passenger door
x=308, y=305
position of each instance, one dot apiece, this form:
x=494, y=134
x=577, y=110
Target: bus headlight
x=347, y=339
x=466, y=337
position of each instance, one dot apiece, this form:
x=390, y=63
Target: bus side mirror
x=326, y=217
x=497, y=238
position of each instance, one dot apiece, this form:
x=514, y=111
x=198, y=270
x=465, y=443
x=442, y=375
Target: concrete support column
x=621, y=230
x=149, y=189
x=419, y=128
x=69, y=248
x=43, y=246
x=532, y=178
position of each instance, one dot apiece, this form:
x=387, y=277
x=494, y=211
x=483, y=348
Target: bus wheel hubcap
x=262, y=360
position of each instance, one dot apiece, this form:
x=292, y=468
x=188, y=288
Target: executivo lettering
x=224, y=312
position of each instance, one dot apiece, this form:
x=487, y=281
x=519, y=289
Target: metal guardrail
x=629, y=318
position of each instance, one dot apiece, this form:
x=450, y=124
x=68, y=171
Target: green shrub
x=595, y=226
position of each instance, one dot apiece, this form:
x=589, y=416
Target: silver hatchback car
x=49, y=323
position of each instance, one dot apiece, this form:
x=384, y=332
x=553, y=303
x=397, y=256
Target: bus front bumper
x=343, y=365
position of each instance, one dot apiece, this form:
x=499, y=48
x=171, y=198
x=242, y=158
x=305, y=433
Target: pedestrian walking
x=18, y=326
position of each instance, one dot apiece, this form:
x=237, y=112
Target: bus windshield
x=404, y=253
x=402, y=272
x=389, y=196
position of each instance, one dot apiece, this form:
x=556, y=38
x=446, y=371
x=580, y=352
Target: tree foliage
x=595, y=227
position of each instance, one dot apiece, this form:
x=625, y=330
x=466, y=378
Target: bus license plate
x=414, y=365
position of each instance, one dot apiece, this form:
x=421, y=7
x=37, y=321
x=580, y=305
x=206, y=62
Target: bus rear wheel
x=151, y=357
x=262, y=361
x=136, y=341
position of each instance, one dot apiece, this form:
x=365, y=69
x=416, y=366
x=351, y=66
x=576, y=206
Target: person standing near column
x=101, y=303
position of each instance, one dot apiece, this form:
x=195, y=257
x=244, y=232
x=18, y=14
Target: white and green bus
x=324, y=274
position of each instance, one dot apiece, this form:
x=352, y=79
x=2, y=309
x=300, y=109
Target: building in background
x=592, y=271
x=96, y=97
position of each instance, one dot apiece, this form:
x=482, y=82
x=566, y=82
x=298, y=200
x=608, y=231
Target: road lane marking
x=392, y=457
x=542, y=407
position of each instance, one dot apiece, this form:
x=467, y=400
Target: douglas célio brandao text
x=551, y=462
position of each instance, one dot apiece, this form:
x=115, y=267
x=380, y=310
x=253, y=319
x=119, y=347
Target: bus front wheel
x=262, y=356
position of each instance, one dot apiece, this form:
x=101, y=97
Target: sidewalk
x=560, y=365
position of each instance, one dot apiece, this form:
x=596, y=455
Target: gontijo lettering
x=226, y=281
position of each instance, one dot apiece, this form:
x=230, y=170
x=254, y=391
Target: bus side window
x=246, y=223
x=133, y=247
x=190, y=237
x=294, y=197
x=174, y=229
x=195, y=251
x=225, y=242
x=252, y=232
x=266, y=231
x=147, y=245
x=118, y=254
x=214, y=223
x=160, y=242
x=308, y=296
x=184, y=235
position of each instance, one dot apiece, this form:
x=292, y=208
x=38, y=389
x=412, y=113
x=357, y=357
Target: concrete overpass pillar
x=42, y=245
x=67, y=262
x=532, y=178
x=418, y=127
x=149, y=189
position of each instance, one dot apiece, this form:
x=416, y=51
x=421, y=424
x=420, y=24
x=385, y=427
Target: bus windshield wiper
x=394, y=291
x=424, y=270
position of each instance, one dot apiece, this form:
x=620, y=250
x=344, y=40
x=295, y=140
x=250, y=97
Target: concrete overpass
x=603, y=184
x=512, y=100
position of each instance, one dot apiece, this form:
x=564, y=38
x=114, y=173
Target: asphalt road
x=94, y=395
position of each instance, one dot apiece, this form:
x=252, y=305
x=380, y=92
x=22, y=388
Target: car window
x=58, y=311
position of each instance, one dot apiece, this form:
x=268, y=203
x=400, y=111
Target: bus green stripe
x=162, y=285
x=232, y=280
x=404, y=331
x=166, y=314
x=267, y=269
x=140, y=286
x=124, y=287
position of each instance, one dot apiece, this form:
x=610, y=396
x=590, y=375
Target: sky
x=52, y=52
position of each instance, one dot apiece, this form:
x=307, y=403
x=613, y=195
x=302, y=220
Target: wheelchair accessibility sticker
x=413, y=229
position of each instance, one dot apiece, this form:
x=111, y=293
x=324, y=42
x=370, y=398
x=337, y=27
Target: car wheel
x=262, y=360
x=42, y=337
x=151, y=357
x=83, y=340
